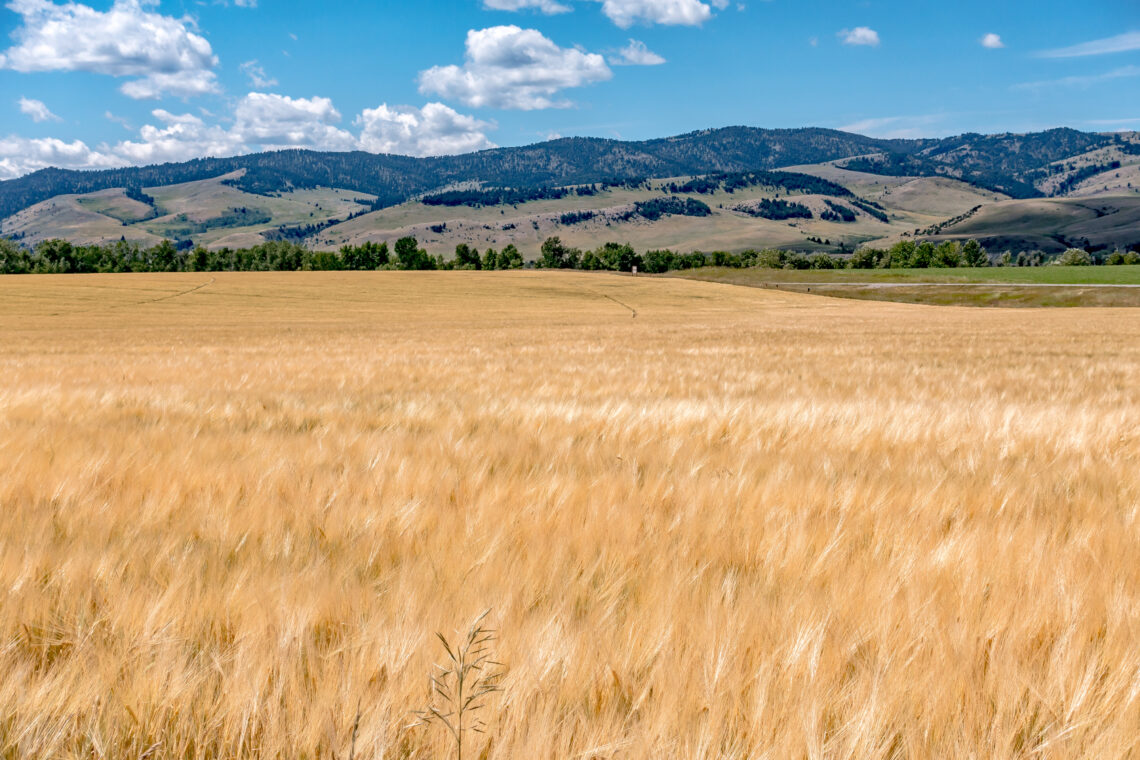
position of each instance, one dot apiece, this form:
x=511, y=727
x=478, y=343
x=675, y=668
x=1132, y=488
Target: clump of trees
x=730, y=182
x=837, y=212
x=498, y=196
x=776, y=209
x=871, y=209
x=576, y=217
x=616, y=257
x=911, y=254
x=656, y=208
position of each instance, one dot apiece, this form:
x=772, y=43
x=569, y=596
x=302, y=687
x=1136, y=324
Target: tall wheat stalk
x=463, y=683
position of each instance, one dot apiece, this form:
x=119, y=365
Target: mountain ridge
x=1003, y=162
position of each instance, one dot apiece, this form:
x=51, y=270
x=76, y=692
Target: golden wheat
x=742, y=524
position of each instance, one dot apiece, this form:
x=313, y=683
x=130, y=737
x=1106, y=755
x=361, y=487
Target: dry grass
x=744, y=524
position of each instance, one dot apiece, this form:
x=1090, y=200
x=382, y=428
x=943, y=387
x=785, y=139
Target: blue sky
x=117, y=82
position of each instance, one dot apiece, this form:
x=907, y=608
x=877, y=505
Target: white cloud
x=636, y=54
x=509, y=67
x=434, y=130
x=162, y=54
x=1123, y=124
x=1125, y=72
x=549, y=7
x=120, y=120
x=1122, y=43
x=898, y=127
x=992, y=41
x=19, y=155
x=278, y=121
x=860, y=35
x=37, y=110
x=626, y=13
x=261, y=121
x=181, y=138
x=257, y=76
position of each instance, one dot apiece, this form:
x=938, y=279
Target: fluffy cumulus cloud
x=274, y=122
x=636, y=54
x=626, y=13
x=20, y=155
x=509, y=67
x=549, y=7
x=992, y=41
x=179, y=138
x=160, y=54
x=434, y=130
x=36, y=110
x=860, y=35
x=261, y=121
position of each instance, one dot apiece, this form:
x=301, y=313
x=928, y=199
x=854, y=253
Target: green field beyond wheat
x=740, y=524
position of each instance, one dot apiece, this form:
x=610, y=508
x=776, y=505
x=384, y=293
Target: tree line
x=60, y=256
x=63, y=257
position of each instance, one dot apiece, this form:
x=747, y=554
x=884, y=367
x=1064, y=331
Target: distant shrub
x=1074, y=257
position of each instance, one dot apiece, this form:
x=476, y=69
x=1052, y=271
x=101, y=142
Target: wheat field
x=740, y=524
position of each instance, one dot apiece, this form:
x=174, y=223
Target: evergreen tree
x=555, y=255
x=409, y=255
x=973, y=255
x=510, y=258
x=467, y=257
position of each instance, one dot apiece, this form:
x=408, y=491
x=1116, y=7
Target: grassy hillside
x=78, y=219
x=526, y=225
x=1104, y=221
x=211, y=212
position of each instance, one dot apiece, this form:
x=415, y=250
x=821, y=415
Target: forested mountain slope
x=1002, y=162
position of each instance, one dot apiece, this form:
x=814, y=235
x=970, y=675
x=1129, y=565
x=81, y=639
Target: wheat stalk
x=460, y=687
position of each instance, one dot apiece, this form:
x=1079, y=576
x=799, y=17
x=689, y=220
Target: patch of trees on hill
x=499, y=196
x=576, y=217
x=791, y=182
x=137, y=194
x=936, y=229
x=1080, y=175
x=897, y=165
x=837, y=212
x=299, y=232
x=182, y=227
x=1005, y=163
x=776, y=209
x=871, y=209
x=655, y=208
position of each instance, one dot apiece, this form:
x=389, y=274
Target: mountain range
x=1059, y=163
